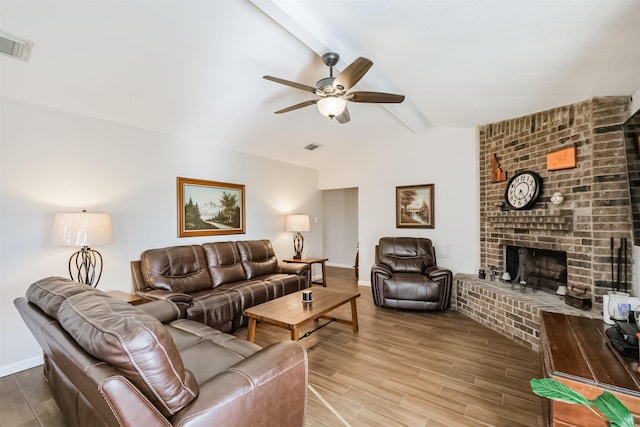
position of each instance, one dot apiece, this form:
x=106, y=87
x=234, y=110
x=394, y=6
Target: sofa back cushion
x=135, y=343
x=224, y=262
x=406, y=254
x=177, y=268
x=49, y=293
x=258, y=257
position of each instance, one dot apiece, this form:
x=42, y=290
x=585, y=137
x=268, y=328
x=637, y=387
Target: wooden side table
x=126, y=297
x=312, y=261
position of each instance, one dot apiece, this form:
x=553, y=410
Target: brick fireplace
x=596, y=205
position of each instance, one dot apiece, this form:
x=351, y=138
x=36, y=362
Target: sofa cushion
x=266, y=288
x=49, y=293
x=286, y=284
x=221, y=309
x=186, y=333
x=177, y=268
x=224, y=262
x=194, y=339
x=253, y=292
x=135, y=343
x=258, y=257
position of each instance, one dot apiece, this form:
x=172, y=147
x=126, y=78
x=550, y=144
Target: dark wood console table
x=575, y=351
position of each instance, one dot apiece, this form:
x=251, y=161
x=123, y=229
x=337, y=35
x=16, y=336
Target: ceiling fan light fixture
x=331, y=106
x=333, y=91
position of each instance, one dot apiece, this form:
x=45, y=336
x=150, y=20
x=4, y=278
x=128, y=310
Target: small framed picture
x=414, y=206
x=209, y=208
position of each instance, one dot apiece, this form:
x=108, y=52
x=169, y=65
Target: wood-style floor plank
x=403, y=368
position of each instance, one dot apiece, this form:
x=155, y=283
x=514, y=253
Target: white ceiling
x=194, y=67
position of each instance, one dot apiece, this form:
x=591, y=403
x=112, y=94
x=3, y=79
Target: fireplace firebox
x=538, y=269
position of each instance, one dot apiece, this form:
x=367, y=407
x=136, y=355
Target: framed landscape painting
x=414, y=206
x=209, y=208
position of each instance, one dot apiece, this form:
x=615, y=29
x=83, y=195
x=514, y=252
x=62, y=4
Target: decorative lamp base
x=298, y=244
x=85, y=266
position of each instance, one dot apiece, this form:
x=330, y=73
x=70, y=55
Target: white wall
x=53, y=161
x=340, y=221
x=446, y=157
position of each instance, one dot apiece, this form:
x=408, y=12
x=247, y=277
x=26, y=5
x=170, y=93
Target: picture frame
x=414, y=206
x=209, y=208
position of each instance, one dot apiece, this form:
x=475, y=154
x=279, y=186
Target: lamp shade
x=331, y=106
x=81, y=229
x=297, y=223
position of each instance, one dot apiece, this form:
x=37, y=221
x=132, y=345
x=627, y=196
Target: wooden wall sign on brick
x=562, y=159
x=497, y=174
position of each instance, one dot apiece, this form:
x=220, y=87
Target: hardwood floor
x=402, y=369
x=25, y=401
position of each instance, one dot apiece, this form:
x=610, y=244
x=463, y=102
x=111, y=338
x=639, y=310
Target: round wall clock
x=523, y=190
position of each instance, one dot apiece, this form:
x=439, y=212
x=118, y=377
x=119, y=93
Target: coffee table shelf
x=289, y=312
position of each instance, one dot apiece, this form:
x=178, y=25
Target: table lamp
x=84, y=230
x=297, y=223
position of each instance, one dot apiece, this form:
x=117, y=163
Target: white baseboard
x=364, y=283
x=20, y=366
x=331, y=264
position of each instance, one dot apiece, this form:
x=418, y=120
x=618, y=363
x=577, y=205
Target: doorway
x=340, y=226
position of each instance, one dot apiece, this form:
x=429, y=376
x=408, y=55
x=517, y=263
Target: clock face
x=523, y=190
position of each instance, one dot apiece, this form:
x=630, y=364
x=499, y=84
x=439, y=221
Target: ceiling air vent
x=15, y=47
x=311, y=147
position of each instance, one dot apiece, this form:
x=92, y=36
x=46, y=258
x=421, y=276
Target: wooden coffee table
x=290, y=312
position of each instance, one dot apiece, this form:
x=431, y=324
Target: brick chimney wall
x=596, y=206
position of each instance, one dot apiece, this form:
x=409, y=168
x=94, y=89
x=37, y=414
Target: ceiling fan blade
x=352, y=74
x=300, y=86
x=295, y=107
x=375, y=97
x=344, y=117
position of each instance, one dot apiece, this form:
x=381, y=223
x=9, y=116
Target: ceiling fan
x=333, y=90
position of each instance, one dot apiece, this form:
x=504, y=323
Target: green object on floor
x=606, y=403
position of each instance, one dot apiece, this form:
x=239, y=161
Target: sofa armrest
x=183, y=301
x=436, y=272
x=268, y=388
x=136, y=275
x=160, y=294
x=164, y=310
x=381, y=270
x=293, y=268
x=444, y=277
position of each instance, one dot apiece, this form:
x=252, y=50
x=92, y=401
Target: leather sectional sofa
x=109, y=363
x=215, y=282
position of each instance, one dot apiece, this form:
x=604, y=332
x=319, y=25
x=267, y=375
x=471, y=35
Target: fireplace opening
x=540, y=269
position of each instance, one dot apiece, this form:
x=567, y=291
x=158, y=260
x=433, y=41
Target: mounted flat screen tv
x=631, y=129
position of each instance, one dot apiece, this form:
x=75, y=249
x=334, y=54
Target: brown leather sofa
x=215, y=282
x=109, y=363
x=405, y=275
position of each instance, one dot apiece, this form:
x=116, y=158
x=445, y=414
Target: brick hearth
x=513, y=313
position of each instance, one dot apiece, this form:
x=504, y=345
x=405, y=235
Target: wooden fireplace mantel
x=576, y=352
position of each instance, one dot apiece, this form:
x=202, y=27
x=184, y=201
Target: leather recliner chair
x=405, y=275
